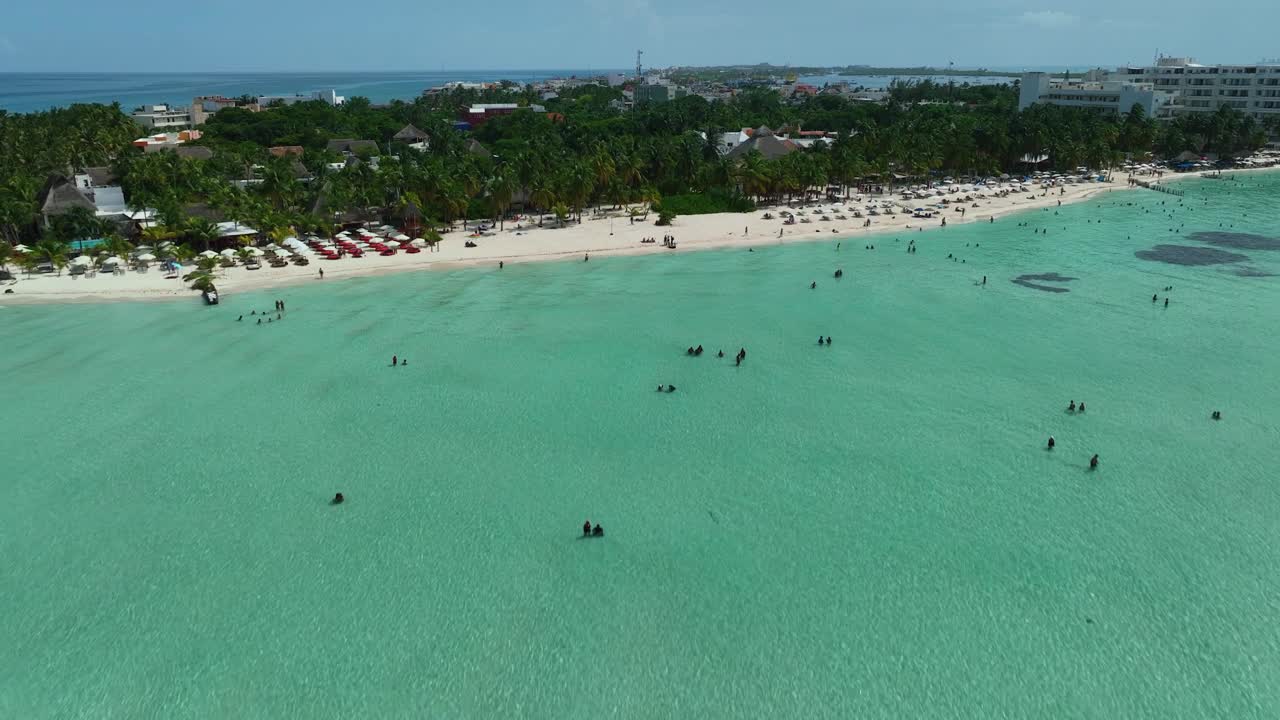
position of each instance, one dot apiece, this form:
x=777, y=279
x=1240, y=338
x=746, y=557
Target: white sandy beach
x=599, y=236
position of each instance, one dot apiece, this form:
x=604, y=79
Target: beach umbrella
x=256, y=252
x=229, y=253
x=392, y=244
x=208, y=254
x=20, y=248
x=282, y=253
x=82, y=260
x=401, y=237
x=113, y=260
x=144, y=248
x=419, y=243
x=146, y=257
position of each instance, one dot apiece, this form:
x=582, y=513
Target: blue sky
x=310, y=35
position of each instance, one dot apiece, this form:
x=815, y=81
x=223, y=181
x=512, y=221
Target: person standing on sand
x=321, y=273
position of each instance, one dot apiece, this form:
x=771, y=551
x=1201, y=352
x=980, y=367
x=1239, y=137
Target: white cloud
x=1048, y=19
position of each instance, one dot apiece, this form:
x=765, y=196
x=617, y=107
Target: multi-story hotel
x=1250, y=89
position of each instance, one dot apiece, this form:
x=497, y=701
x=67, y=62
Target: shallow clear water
x=872, y=529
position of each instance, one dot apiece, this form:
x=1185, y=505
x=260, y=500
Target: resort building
x=205, y=106
x=166, y=141
x=480, y=113
x=163, y=117
x=1116, y=97
x=1250, y=89
x=652, y=93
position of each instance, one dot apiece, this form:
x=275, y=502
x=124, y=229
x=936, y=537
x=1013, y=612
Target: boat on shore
x=210, y=296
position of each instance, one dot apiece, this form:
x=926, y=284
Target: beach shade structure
x=392, y=244
x=400, y=236
x=225, y=253
x=20, y=248
x=144, y=248
x=82, y=260
x=146, y=257
x=113, y=260
x=208, y=254
x=419, y=243
x=281, y=252
x=256, y=252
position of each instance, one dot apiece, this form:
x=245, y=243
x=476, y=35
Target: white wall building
x=162, y=117
x=1113, y=96
x=1250, y=89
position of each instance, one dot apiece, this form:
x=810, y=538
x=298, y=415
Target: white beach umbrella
x=392, y=244
x=419, y=243
x=146, y=257
x=82, y=260
x=282, y=253
x=225, y=253
x=400, y=236
x=113, y=260
x=256, y=252
x=208, y=254
x=20, y=248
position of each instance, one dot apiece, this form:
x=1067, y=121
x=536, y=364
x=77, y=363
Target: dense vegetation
x=583, y=153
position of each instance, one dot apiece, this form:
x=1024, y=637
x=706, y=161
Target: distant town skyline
x=389, y=36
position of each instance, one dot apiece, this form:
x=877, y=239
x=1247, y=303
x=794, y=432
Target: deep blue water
x=28, y=92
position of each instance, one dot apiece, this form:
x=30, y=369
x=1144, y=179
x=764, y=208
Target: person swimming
x=1093, y=462
x=597, y=531
x=1217, y=415
x=698, y=350
x=1166, y=302
x=1081, y=408
x=671, y=388
x=813, y=285
x=1153, y=298
x=338, y=499
x=259, y=321
x=501, y=265
x=821, y=341
x=1072, y=406
x=586, y=528
x=394, y=361
x=720, y=354
x=1051, y=443
x=689, y=351
x=828, y=339
x=239, y=318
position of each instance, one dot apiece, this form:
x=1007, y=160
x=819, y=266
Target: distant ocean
x=29, y=92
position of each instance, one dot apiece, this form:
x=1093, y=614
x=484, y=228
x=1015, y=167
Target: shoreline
x=608, y=235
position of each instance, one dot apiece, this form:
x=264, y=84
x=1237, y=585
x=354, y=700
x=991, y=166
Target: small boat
x=210, y=297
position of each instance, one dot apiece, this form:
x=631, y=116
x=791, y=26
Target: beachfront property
x=162, y=117
x=451, y=86
x=207, y=105
x=1116, y=97
x=330, y=97
x=1250, y=89
x=769, y=143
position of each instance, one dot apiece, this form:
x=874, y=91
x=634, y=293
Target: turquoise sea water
x=872, y=529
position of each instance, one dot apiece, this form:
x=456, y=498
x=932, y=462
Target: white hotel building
x=1250, y=89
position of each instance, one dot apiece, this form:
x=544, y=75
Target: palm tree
x=202, y=230
x=6, y=254
x=502, y=188
x=542, y=196
x=561, y=212
x=51, y=251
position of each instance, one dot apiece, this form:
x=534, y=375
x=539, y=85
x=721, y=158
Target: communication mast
x=639, y=74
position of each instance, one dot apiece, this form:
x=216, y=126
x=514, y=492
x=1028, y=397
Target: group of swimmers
x=401, y=361
x=589, y=531
x=1072, y=407
x=821, y=341
x=265, y=314
x=697, y=351
x=1166, y=300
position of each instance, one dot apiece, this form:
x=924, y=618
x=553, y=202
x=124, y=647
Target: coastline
x=606, y=235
